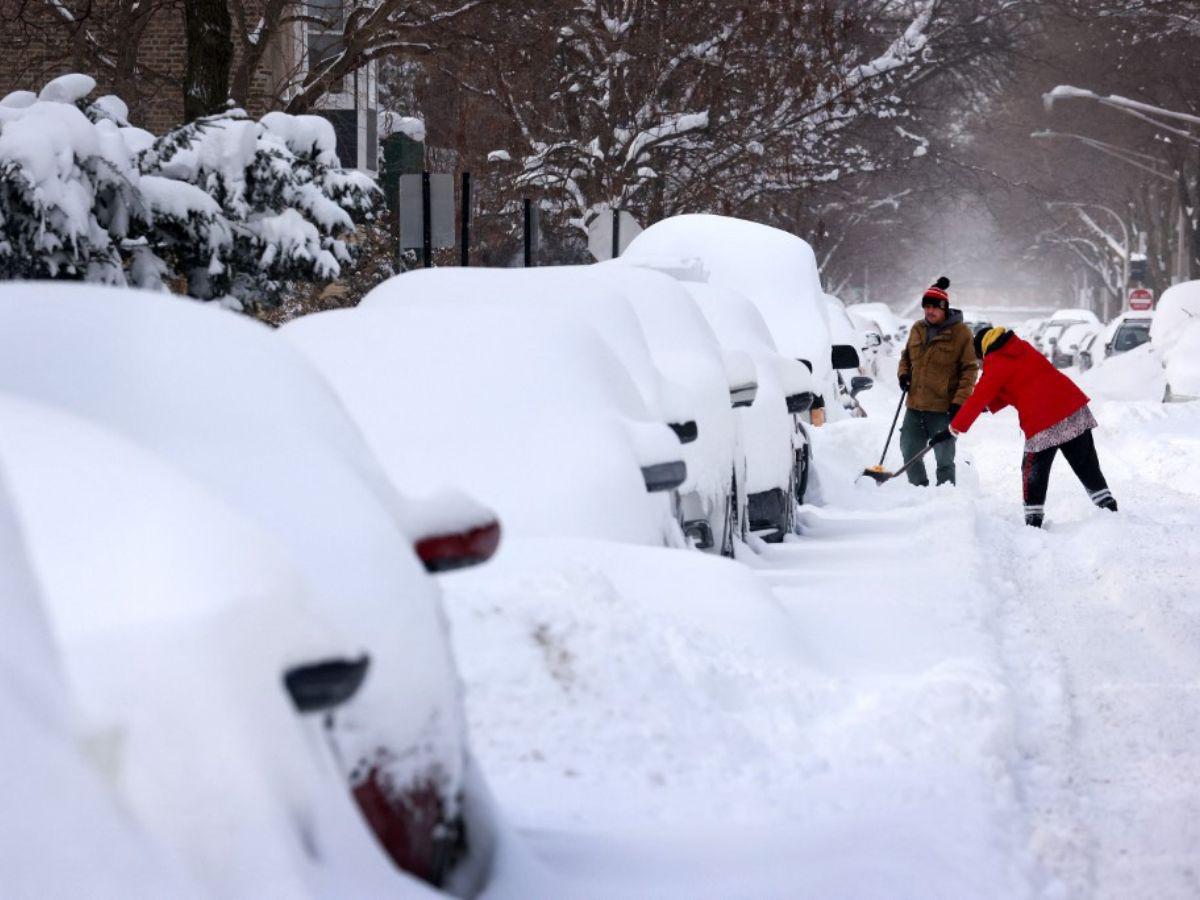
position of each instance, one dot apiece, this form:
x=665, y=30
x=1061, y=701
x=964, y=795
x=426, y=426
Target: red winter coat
x=1015, y=374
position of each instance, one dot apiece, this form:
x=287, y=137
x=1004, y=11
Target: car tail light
x=411, y=826
x=457, y=550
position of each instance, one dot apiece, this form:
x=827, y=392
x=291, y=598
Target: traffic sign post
x=610, y=233
x=1141, y=299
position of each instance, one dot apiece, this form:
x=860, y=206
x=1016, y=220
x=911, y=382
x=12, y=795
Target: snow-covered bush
x=232, y=206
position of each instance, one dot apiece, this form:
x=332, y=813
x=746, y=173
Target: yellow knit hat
x=991, y=336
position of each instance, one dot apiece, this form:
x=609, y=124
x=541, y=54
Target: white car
x=1073, y=337
x=851, y=381
x=1126, y=332
x=70, y=838
x=1048, y=337
x=234, y=407
x=182, y=629
x=777, y=446
x=1181, y=365
x=775, y=270
x=1179, y=305
x=530, y=411
x=658, y=336
x=894, y=329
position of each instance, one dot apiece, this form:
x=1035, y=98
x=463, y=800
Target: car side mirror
x=843, y=356
x=322, y=686
x=860, y=383
x=1053, y=341
x=874, y=340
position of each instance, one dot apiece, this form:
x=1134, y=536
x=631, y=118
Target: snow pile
x=1136, y=375
x=235, y=206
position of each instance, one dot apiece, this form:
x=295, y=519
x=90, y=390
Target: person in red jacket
x=1053, y=412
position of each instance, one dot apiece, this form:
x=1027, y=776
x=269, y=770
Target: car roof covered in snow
x=776, y=270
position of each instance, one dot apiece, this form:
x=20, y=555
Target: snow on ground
x=919, y=697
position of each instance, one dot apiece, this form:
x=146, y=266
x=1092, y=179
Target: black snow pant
x=1081, y=455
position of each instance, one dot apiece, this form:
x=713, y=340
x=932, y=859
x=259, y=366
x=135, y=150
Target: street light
x=1122, y=153
x=1146, y=113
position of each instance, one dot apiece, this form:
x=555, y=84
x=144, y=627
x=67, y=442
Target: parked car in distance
x=1127, y=332
x=1066, y=348
x=237, y=409
x=1088, y=347
x=1048, y=337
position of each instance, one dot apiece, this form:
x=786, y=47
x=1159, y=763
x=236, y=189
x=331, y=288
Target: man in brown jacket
x=937, y=369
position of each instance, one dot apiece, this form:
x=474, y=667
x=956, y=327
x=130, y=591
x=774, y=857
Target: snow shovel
x=881, y=475
x=876, y=471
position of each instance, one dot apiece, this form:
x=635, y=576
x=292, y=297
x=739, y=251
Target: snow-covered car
x=1090, y=351
x=190, y=649
x=1179, y=305
x=1126, y=332
x=64, y=832
x=714, y=384
x=894, y=329
x=663, y=342
x=529, y=410
x=1065, y=351
x=775, y=270
x=1181, y=365
x=234, y=407
x=1049, y=336
x=777, y=446
x=850, y=381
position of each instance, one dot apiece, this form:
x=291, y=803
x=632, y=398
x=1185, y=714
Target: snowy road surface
x=920, y=697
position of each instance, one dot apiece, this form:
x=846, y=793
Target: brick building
x=135, y=49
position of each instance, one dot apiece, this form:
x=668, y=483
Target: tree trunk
x=209, y=32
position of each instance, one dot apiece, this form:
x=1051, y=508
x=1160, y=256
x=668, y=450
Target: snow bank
x=1133, y=376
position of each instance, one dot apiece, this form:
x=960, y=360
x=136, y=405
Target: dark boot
x=1034, y=520
x=1107, y=503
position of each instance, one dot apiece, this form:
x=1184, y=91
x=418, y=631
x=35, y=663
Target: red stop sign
x=1141, y=298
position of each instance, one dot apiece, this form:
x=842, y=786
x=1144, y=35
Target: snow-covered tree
x=632, y=103
x=233, y=207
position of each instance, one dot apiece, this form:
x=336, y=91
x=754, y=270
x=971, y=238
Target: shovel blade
x=878, y=475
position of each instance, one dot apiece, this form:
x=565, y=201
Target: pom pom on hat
x=936, y=295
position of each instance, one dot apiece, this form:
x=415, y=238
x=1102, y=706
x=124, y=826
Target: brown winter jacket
x=943, y=369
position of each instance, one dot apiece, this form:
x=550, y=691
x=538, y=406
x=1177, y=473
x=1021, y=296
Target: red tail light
x=443, y=552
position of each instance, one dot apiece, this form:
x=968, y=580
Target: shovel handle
x=892, y=430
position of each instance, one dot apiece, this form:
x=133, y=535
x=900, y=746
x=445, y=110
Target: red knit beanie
x=936, y=295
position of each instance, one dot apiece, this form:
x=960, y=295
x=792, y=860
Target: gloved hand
x=954, y=408
x=905, y=382
x=939, y=437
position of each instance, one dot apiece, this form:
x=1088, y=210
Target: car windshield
x=1131, y=335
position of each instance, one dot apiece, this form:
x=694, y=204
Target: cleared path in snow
x=931, y=700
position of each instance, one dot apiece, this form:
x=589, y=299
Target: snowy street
x=929, y=700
